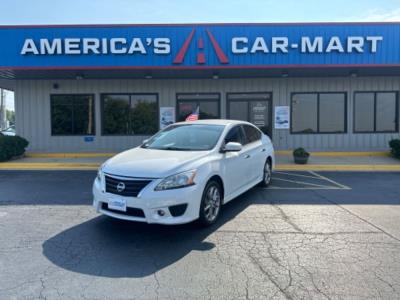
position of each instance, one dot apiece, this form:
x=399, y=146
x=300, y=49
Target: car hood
x=151, y=163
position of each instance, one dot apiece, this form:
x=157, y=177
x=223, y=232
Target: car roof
x=223, y=122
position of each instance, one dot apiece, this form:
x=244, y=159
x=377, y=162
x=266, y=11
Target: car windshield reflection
x=188, y=137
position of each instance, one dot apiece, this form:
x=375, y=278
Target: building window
x=375, y=112
x=129, y=114
x=208, y=105
x=319, y=113
x=72, y=114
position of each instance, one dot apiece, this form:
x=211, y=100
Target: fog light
x=160, y=212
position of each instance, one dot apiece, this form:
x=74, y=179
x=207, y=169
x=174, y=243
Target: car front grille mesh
x=125, y=187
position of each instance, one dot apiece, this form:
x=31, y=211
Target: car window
x=235, y=135
x=252, y=134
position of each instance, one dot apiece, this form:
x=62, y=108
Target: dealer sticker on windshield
x=117, y=204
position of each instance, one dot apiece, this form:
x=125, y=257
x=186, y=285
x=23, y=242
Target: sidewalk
x=341, y=161
x=319, y=161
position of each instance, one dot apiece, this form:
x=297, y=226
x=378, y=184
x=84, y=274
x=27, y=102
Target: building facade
x=108, y=87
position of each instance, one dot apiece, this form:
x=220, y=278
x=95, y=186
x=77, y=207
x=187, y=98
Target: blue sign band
x=200, y=46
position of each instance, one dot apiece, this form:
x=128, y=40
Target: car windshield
x=193, y=137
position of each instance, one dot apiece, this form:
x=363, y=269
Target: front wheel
x=267, y=174
x=211, y=202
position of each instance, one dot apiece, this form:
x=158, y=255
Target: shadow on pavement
x=107, y=247
x=114, y=248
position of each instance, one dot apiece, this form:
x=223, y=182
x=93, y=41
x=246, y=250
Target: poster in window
x=282, y=117
x=167, y=116
x=258, y=113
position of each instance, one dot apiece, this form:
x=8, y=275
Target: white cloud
x=378, y=15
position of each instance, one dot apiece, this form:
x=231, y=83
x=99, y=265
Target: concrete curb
x=279, y=167
x=362, y=168
x=339, y=154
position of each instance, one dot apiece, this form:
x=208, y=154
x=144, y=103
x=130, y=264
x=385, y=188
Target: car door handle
x=263, y=150
x=246, y=156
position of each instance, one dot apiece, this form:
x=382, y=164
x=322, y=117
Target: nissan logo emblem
x=121, y=187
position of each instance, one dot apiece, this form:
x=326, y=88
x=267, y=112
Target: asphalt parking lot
x=310, y=236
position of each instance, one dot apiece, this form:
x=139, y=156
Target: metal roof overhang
x=7, y=76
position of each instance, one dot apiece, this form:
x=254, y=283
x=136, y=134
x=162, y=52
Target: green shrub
x=395, y=145
x=11, y=146
x=300, y=152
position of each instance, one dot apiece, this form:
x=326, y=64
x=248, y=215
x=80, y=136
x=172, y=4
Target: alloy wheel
x=267, y=174
x=212, y=203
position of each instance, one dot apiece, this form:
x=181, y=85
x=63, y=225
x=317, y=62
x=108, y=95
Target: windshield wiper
x=169, y=148
x=174, y=148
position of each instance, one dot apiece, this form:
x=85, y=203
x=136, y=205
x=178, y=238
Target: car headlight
x=177, y=181
x=99, y=172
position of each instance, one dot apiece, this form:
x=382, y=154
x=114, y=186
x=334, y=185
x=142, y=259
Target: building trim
x=195, y=24
x=213, y=67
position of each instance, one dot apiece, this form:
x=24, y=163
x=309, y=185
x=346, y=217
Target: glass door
x=255, y=108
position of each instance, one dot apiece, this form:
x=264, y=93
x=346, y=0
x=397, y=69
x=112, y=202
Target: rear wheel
x=267, y=175
x=210, y=203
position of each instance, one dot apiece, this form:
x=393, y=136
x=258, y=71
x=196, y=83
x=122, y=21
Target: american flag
x=194, y=116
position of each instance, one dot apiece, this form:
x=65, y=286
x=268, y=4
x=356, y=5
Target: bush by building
x=395, y=145
x=12, y=146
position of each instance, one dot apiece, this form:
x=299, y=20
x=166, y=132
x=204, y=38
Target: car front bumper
x=149, y=203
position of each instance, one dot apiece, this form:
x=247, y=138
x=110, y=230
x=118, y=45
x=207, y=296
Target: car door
x=235, y=164
x=256, y=150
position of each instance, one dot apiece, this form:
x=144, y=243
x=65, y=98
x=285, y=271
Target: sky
x=191, y=11
x=24, y=12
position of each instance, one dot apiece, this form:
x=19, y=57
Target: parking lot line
x=302, y=188
x=302, y=182
x=331, y=181
x=295, y=174
x=313, y=181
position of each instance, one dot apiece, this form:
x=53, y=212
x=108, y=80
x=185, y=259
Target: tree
x=10, y=117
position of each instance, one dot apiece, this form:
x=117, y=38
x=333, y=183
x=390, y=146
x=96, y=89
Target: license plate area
x=117, y=204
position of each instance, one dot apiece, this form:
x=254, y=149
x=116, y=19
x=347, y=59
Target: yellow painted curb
x=279, y=167
x=339, y=154
x=366, y=168
x=67, y=155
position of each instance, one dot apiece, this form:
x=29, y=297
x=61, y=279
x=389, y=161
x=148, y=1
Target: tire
x=211, y=202
x=267, y=174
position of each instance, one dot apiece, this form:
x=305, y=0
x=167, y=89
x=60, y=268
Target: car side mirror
x=145, y=141
x=232, y=147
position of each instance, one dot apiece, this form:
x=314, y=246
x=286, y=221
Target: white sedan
x=185, y=172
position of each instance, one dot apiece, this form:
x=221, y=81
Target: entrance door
x=255, y=108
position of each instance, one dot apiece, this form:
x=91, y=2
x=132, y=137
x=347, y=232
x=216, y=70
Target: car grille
x=130, y=211
x=132, y=186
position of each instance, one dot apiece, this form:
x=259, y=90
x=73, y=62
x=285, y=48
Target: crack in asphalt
x=293, y=264
x=357, y=216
